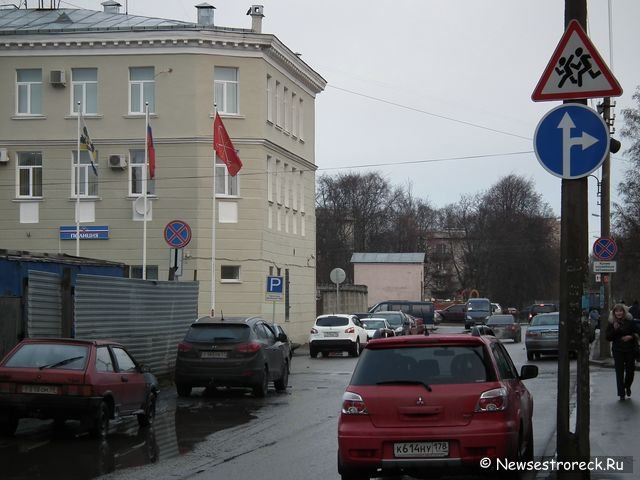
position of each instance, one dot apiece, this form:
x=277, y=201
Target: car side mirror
x=145, y=368
x=528, y=371
x=282, y=337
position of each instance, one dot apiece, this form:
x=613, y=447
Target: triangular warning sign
x=576, y=70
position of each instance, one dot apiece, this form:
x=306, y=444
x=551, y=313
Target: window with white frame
x=278, y=98
x=269, y=178
x=88, y=178
x=286, y=178
x=225, y=85
x=294, y=188
x=142, y=89
x=84, y=88
x=136, y=172
x=230, y=273
x=29, y=91
x=225, y=183
x=294, y=114
x=270, y=98
x=29, y=184
x=287, y=112
x=301, y=191
x=301, y=119
x=278, y=181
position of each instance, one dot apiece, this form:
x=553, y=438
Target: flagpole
x=78, y=186
x=213, y=220
x=144, y=191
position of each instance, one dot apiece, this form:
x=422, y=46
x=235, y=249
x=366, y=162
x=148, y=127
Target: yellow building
x=110, y=66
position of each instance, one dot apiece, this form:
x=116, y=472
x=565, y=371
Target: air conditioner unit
x=118, y=161
x=58, y=78
x=4, y=155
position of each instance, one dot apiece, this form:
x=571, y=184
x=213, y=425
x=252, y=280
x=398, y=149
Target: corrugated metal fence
x=148, y=317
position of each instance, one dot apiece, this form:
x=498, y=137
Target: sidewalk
x=614, y=425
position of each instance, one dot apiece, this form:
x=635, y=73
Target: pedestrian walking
x=623, y=334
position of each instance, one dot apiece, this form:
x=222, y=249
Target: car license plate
x=213, y=354
x=43, y=389
x=549, y=334
x=421, y=449
x=330, y=334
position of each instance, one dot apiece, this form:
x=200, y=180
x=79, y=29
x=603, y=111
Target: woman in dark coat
x=621, y=332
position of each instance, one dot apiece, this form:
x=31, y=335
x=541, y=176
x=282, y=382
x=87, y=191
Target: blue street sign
x=87, y=232
x=177, y=234
x=571, y=141
x=274, y=288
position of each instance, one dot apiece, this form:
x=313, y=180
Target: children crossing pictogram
x=576, y=70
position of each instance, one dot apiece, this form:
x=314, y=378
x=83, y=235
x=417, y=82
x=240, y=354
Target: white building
x=114, y=64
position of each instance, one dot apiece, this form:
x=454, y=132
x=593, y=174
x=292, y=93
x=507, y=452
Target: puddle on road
x=38, y=451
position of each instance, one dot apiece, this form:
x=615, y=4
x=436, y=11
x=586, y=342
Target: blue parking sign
x=275, y=288
x=571, y=141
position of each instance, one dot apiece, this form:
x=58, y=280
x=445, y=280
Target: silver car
x=542, y=335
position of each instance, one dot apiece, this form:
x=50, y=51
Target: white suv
x=337, y=333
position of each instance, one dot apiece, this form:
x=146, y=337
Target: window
x=136, y=166
x=301, y=120
x=226, y=89
x=294, y=114
x=278, y=99
x=287, y=110
x=225, y=183
x=294, y=188
x=142, y=89
x=152, y=272
x=88, y=177
x=84, y=87
x=103, y=360
x=301, y=192
x=285, y=187
x=230, y=272
x=29, y=91
x=29, y=174
x=270, y=94
x=124, y=361
x=269, y=179
x=278, y=181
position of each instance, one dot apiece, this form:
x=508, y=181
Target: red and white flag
x=224, y=148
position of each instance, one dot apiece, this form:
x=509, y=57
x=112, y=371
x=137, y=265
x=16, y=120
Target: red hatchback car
x=418, y=405
x=89, y=380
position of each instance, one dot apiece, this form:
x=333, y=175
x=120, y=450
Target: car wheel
x=283, y=381
x=529, y=355
x=467, y=326
x=260, y=390
x=518, y=338
x=313, y=353
x=100, y=426
x=145, y=419
x=355, y=351
x=183, y=390
x=325, y=354
x=9, y=426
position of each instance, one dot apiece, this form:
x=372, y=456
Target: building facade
x=109, y=66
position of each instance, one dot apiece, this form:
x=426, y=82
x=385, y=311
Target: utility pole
x=605, y=230
x=574, y=273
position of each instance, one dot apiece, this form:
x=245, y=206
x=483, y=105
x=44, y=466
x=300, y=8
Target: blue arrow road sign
x=571, y=141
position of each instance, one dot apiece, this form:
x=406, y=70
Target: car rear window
x=545, y=319
x=394, y=319
x=49, y=355
x=500, y=319
x=543, y=309
x=332, y=322
x=373, y=324
x=432, y=365
x=218, y=333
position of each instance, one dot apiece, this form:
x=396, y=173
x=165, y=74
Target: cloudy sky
x=436, y=95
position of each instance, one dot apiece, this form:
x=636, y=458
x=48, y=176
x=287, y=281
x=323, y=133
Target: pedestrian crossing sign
x=576, y=70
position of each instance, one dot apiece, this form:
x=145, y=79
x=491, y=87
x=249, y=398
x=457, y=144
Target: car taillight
x=314, y=331
x=184, y=347
x=352, y=404
x=7, y=387
x=79, y=390
x=492, y=400
x=251, y=347
x=532, y=334
x=350, y=330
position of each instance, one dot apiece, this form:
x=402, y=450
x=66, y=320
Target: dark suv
x=232, y=352
x=537, y=308
x=420, y=310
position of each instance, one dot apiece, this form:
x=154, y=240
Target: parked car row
x=97, y=381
